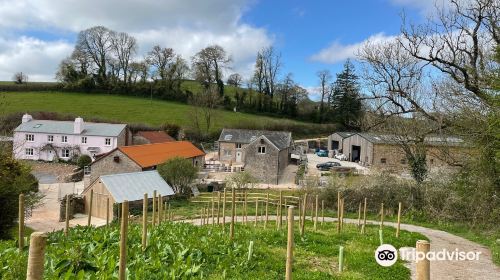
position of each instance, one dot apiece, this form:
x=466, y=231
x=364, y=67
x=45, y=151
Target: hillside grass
x=122, y=109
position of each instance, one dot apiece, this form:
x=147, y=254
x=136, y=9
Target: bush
x=83, y=160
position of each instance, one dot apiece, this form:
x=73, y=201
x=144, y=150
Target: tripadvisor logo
x=387, y=255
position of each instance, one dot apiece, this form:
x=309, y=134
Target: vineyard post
x=107, y=211
x=201, y=216
x=300, y=211
x=316, y=214
x=218, y=208
x=160, y=206
x=280, y=222
x=21, y=222
x=382, y=216
x=66, y=222
x=399, y=220
x=154, y=207
x=342, y=214
x=267, y=208
x=123, y=242
x=302, y=225
x=89, y=219
x=322, y=212
x=341, y=258
x=224, y=211
x=256, y=211
x=167, y=208
x=359, y=215
x=36, y=256
x=231, y=228
x=289, y=247
x=423, y=265
x=245, y=206
x=144, y=221
x=312, y=210
x=213, y=209
x=338, y=212
x=363, y=227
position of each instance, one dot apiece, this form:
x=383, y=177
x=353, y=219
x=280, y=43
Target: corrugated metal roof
x=153, y=154
x=281, y=139
x=66, y=127
x=133, y=186
x=437, y=140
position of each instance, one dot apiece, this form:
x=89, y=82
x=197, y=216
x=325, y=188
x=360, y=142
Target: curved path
x=483, y=268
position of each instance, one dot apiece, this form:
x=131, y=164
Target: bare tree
x=209, y=64
x=124, y=47
x=205, y=105
x=324, y=77
x=272, y=65
x=235, y=80
x=20, y=78
x=161, y=59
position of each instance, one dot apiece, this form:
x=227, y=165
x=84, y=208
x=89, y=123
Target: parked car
x=340, y=157
x=322, y=153
x=327, y=165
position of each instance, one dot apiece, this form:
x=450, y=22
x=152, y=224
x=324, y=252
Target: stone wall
x=108, y=165
x=262, y=166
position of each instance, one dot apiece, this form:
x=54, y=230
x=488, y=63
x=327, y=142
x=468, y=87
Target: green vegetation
x=179, y=173
x=184, y=251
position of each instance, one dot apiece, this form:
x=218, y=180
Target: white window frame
x=84, y=139
x=63, y=153
x=29, y=152
x=50, y=138
x=30, y=137
x=107, y=141
x=261, y=150
x=64, y=139
x=228, y=153
x=238, y=145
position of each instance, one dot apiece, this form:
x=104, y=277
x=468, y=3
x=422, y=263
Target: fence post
x=289, y=247
x=231, y=228
x=154, y=208
x=286, y=210
x=107, y=210
x=160, y=206
x=280, y=221
x=224, y=211
x=123, y=242
x=316, y=214
x=144, y=221
x=382, y=216
x=363, y=227
x=218, y=208
x=267, y=208
x=399, y=220
x=167, y=208
x=36, y=257
x=338, y=212
x=322, y=212
x=21, y=222
x=66, y=224
x=213, y=209
x=89, y=220
x=300, y=211
x=359, y=215
x=423, y=265
x=303, y=223
x=256, y=211
x=342, y=214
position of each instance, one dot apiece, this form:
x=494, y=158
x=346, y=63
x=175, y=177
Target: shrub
x=83, y=160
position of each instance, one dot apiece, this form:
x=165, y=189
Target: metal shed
x=121, y=187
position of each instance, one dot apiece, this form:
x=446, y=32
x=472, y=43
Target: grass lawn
x=121, y=108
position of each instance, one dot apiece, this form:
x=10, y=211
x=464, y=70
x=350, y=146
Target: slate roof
x=281, y=139
x=446, y=140
x=66, y=127
x=156, y=136
x=133, y=186
x=148, y=155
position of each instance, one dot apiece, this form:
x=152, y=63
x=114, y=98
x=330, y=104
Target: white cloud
x=338, y=52
x=184, y=25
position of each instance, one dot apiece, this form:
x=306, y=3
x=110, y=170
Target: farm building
x=265, y=154
x=151, y=137
x=379, y=150
x=121, y=187
x=142, y=158
x=335, y=141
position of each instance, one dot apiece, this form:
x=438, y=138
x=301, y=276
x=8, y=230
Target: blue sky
x=35, y=35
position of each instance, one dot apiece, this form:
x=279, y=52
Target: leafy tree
x=179, y=173
x=346, y=102
x=15, y=178
x=208, y=66
x=83, y=160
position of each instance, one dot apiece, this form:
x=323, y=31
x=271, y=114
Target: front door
x=50, y=156
x=238, y=156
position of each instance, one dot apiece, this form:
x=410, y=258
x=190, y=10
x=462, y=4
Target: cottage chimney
x=78, y=126
x=27, y=118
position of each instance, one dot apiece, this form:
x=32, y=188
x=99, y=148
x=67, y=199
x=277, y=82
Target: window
x=86, y=170
x=261, y=150
x=30, y=137
x=64, y=139
x=227, y=152
x=29, y=151
x=403, y=161
x=238, y=145
x=383, y=160
x=84, y=140
x=107, y=141
x=432, y=161
x=65, y=153
x=50, y=138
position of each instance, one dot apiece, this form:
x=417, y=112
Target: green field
x=122, y=109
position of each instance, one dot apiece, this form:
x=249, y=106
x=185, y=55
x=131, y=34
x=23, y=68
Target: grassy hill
x=135, y=110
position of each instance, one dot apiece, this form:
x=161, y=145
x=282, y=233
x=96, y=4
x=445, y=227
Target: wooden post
x=289, y=247
x=201, y=216
x=359, y=215
x=154, y=208
x=399, y=220
x=144, y=221
x=256, y=211
x=89, y=220
x=21, y=222
x=302, y=225
x=36, y=257
x=107, y=211
x=382, y=216
x=123, y=242
x=341, y=258
x=160, y=206
x=312, y=210
x=316, y=214
x=245, y=207
x=218, y=208
x=300, y=211
x=280, y=222
x=363, y=227
x=338, y=212
x=231, y=228
x=66, y=222
x=267, y=208
x=381, y=236
x=423, y=265
x=322, y=212
x=207, y=214
x=224, y=211
x=167, y=208
x=286, y=212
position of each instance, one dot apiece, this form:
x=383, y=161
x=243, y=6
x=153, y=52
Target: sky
x=35, y=35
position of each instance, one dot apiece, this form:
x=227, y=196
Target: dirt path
x=483, y=268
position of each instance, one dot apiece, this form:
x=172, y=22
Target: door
x=50, y=156
x=238, y=156
x=356, y=153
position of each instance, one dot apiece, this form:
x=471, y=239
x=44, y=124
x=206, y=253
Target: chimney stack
x=27, y=118
x=78, y=126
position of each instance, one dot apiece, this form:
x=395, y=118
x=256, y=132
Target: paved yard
x=313, y=159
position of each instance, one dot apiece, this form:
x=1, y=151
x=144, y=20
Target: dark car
x=327, y=165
